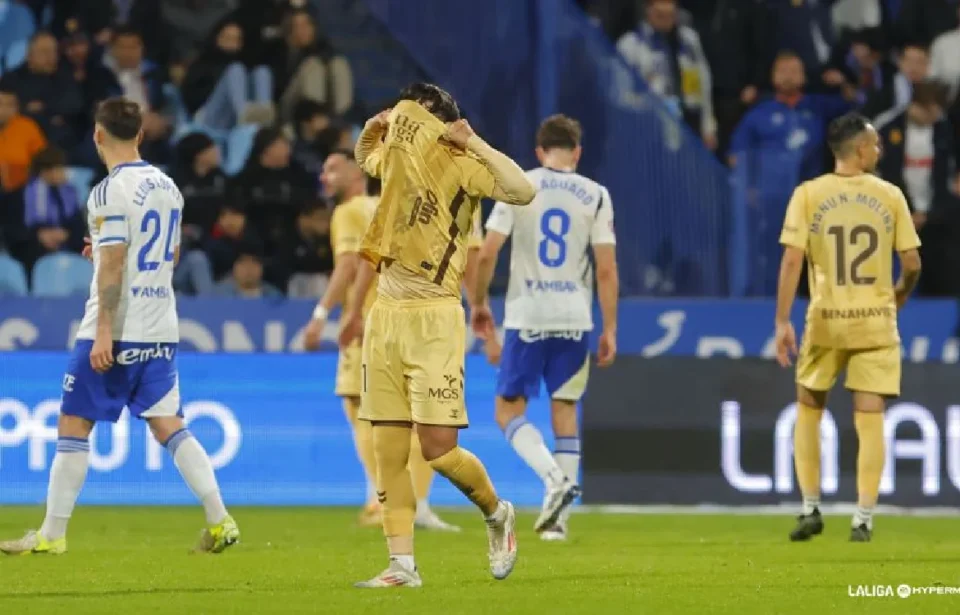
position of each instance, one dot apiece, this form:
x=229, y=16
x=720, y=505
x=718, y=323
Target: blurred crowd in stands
x=243, y=100
x=759, y=80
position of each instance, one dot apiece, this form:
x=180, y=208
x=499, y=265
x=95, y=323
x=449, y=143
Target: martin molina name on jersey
x=551, y=276
x=137, y=205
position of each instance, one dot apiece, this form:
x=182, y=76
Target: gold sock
x=806, y=450
x=420, y=470
x=394, y=486
x=362, y=437
x=870, y=456
x=466, y=472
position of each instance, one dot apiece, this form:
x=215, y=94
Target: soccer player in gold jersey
x=434, y=170
x=347, y=184
x=848, y=224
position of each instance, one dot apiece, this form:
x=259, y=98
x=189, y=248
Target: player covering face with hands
x=435, y=170
x=126, y=347
x=847, y=225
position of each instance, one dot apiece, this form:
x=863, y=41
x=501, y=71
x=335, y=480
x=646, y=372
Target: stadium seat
x=61, y=275
x=16, y=55
x=239, y=144
x=81, y=179
x=13, y=277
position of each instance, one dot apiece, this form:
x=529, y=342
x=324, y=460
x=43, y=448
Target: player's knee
x=436, y=441
x=564, y=415
x=162, y=427
x=509, y=408
x=74, y=426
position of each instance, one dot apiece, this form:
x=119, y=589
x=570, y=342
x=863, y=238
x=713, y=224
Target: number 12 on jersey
x=152, y=225
x=554, y=225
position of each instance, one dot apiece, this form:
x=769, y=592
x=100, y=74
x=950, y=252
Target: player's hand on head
x=786, y=343
x=607, y=349
x=380, y=120
x=101, y=355
x=313, y=333
x=458, y=133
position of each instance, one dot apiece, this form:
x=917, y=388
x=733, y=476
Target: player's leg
x=521, y=369
x=422, y=475
x=872, y=375
x=567, y=454
x=86, y=399
x=385, y=405
x=817, y=370
x=434, y=353
x=363, y=443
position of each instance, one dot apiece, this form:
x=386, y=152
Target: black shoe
x=808, y=526
x=861, y=533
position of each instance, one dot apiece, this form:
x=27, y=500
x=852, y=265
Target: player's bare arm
x=909, y=275
x=608, y=289
x=511, y=183
x=109, y=292
x=351, y=327
x=343, y=274
x=791, y=265
x=481, y=318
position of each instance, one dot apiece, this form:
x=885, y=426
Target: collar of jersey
x=138, y=163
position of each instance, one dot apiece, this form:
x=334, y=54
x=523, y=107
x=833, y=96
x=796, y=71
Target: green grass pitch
x=135, y=560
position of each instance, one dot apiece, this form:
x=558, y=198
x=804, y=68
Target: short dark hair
x=845, y=129
x=787, y=54
x=250, y=247
x=307, y=109
x=120, y=117
x=434, y=98
x=7, y=89
x=47, y=159
x=124, y=32
x=918, y=45
x=312, y=206
x=559, y=132
x=929, y=93
x=233, y=206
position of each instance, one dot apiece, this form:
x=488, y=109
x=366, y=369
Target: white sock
x=567, y=455
x=527, y=441
x=499, y=515
x=406, y=561
x=863, y=515
x=195, y=468
x=810, y=504
x=67, y=475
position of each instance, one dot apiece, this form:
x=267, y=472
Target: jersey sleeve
x=475, y=240
x=108, y=212
x=346, y=231
x=478, y=181
x=905, y=233
x=794, y=231
x=602, y=231
x=501, y=219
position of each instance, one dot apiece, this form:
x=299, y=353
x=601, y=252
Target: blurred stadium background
x=683, y=121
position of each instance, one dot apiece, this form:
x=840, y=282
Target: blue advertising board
x=702, y=328
x=275, y=433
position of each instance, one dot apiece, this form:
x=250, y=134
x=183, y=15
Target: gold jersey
x=849, y=228
x=347, y=227
x=430, y=198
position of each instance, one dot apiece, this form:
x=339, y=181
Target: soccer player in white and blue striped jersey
x=126, y=347
x=549, y=309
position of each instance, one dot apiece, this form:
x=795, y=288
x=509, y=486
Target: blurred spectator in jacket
x=231, y=232
x=125, y=72
x=735, y=38
x=220, y=90
x=102, y=17
x=860, y=60
x=83, y=63
x=20, y=140
x=914, y=68
x=47, y=91
x=805, y=28
x=189, y=22
x=304, y=262
x=919, y=158
x=202, y=183
x=317, y=134
x=925, y=20
x=310, y=69
x=945, y=57
x=246, y=276
x=53, y=215
x=778, y=145
x=671, y=60
x=274, y=186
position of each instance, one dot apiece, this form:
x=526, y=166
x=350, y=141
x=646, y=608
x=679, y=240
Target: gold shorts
x=413, y=356
x=870, y=370
x=349, y=381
